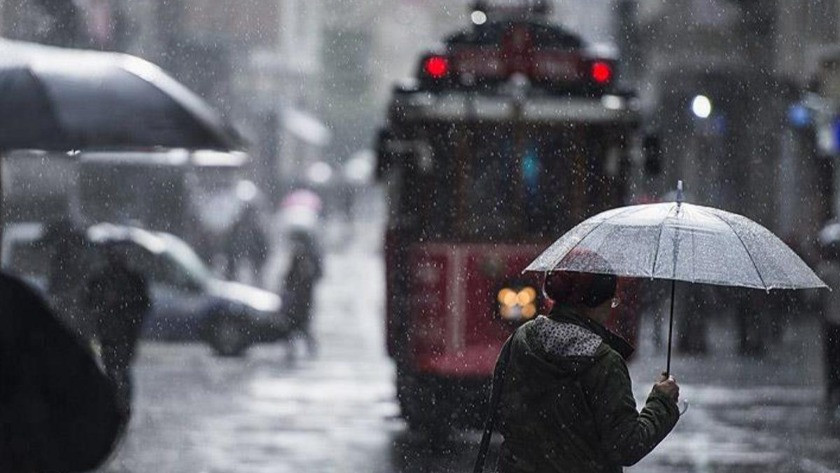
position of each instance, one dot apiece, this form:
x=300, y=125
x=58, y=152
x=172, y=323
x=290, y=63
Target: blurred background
x=738, y=98
x=307, y=82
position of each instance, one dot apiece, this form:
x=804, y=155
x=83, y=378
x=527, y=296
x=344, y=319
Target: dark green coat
x=567, y=404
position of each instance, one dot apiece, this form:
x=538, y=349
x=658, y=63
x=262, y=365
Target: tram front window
x=510, y=185
x=503, y=192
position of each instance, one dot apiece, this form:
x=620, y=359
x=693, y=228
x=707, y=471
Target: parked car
x=188, y=301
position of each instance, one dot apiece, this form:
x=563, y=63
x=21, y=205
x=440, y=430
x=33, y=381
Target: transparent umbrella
x=680, y=242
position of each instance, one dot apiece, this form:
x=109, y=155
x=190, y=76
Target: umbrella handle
x=670, y=328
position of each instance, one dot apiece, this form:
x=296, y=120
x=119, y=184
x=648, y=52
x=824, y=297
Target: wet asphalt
x=336, y=411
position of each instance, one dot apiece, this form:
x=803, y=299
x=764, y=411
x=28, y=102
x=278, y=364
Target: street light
x=478, y=17
x=701, y=106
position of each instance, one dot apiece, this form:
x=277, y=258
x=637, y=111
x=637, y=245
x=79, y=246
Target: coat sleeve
x=626, y=435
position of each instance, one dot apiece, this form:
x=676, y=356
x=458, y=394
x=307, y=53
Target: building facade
x=750, y=61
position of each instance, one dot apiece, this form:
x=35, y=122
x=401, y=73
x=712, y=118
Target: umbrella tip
x=679, y=191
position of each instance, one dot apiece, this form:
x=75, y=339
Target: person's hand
x=667, y=386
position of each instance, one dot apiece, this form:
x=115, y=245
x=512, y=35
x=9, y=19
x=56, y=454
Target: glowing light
x=319, y=173
x=436, y=66
x=701, y=106
x=529, y=311
x=517, y=304
x=507, y=295
x=246, y=191
x=601, y=72
x=478, y=17
x=526, y=296
x=612, y=102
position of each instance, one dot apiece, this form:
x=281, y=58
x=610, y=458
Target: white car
x=188, y=301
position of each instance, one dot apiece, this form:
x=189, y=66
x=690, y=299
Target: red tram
x=508, y=136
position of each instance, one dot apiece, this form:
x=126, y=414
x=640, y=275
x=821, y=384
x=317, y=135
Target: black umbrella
x=59, y=412
x=65, y=99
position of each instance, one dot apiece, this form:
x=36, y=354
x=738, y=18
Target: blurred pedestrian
x=68, y=269
x=246, y=247
x=829, y=271
x=58, y=411
x=566, y=402
x=119, y=298
x=305, y=269
x=696, y=306
x=651, y=296
x=753, y=328
x=781, y=305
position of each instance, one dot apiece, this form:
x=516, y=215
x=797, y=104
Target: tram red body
x=509, y=137
x=455, y=317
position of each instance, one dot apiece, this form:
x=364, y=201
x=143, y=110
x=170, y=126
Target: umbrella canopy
x=682, y=242
x=64, y=99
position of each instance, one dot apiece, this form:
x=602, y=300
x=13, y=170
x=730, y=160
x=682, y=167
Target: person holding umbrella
x=567, y=403
x=674, y=241
x=829, y=269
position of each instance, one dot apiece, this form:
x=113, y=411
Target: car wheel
x=228, y=336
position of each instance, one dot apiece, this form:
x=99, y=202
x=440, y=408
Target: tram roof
x=492, y=33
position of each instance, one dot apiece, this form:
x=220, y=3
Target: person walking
x=829, y=271
x=751, y=322
x=246, y=247
x=692, y=326
x=566, y=402
x=298, y=287
x=68, y=270
x=119, y=298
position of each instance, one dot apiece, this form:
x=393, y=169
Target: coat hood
x=565, y=343
x=560, y=347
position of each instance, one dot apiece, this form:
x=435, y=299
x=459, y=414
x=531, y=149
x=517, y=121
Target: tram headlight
x=526, y=296
x=517, y=303
x=507, y=297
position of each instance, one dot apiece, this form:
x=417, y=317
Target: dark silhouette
x=829, y=271
x=752, y=322
x=65, y=23
x=246, y=243
x=58, y=411
x=119, y=298
x=566, y=401
x=298, y=287
x=695, y=307
x=69, y=267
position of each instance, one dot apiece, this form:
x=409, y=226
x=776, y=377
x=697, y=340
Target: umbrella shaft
x=670, y=328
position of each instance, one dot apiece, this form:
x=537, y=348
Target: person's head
x=590, y=293
x=829, y=242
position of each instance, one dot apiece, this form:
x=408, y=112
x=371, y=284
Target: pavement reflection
x=337, y=413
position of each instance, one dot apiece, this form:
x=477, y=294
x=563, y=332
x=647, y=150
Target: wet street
x=160, y=157
x=336, y=412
